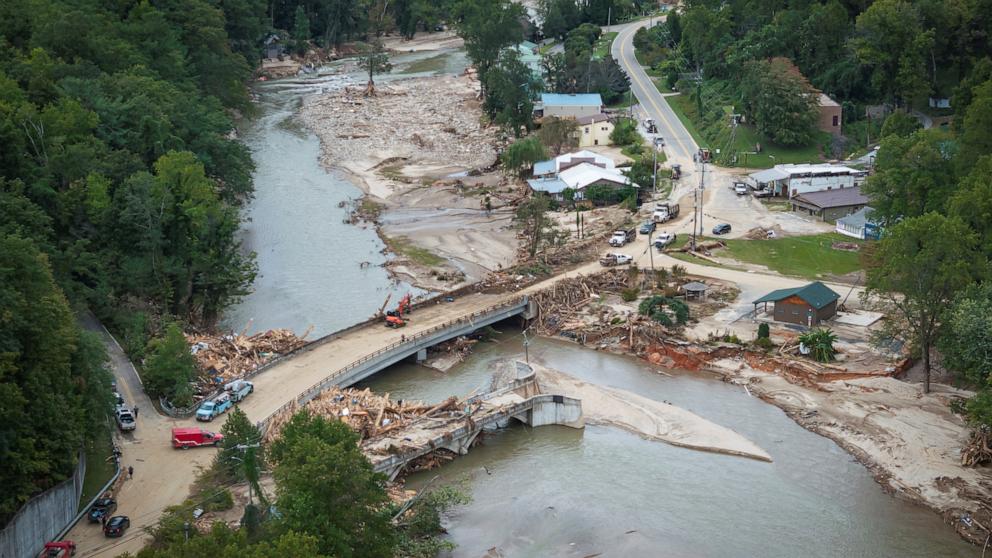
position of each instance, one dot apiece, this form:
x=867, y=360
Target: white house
x=791, y=180
x=554, y=166
x=594, y=130
x=859, y=225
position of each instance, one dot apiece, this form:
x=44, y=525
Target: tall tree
x=170, y=368
x=326, y=487
x=892, y=42
x=511, y=88
x=913, y=175
x=53, y=384
x=779, y=101
x=522, y=154
x=917, y=269
x=531, y=217
x=488, y=27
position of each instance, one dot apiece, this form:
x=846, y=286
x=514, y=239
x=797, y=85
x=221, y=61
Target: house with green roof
x=807, y=305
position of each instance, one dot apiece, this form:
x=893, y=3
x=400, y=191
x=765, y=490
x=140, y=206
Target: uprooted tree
x=662, y=309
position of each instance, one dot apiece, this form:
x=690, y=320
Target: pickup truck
x=665, y=211
x=239, y=389
x=214, y=407
x=125, y=419
x=610, y=260
x=740, y=188
x=622, y=237
x=664, y=239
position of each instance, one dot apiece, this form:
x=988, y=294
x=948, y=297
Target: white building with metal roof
x=790, y=180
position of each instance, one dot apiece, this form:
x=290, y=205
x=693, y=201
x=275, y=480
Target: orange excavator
x=394, y=318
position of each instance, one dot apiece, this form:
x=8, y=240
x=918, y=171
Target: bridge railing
x=320, y=385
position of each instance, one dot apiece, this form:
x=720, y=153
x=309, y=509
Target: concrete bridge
x=521, y=400
x=353, y=354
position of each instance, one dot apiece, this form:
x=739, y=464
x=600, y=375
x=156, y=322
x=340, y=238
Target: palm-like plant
x=820, y=342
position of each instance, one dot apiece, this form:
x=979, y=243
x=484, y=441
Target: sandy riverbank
x=654, y=420
x=910, y=441
x=402, y=147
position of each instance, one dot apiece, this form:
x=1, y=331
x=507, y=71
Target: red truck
x=186, y=438
x=58, y=549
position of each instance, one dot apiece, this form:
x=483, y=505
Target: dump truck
x=621, y=237
x=611, y=259
x=665, y=212
x=676, y=172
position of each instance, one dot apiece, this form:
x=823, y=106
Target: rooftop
x=572, y=100
x=552, y=166
x=826, y=101
x=584, y=174
x=858, y=219
x=838, y=197
x=781, y=172
x=547, y=185
x=816, y=294
x=582, y=120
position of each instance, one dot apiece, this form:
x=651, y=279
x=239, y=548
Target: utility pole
x=654, y=179
x=702, y=173
x=249, y=465
x=651, y=252
x=609, y=14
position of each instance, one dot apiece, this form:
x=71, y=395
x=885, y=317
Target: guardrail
x=319, y=386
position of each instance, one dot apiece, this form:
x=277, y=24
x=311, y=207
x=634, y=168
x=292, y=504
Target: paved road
x=162, y=476
x=679, y=145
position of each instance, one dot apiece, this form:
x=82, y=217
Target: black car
x=722, y=228
x=102, y=508
x=647, y=227
x=116, y=526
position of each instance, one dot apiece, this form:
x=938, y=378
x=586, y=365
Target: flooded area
x=314, y=268
x=554, y=491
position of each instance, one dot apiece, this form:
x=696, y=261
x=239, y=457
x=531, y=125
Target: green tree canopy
x=170, y=367
x=326, y=487
x=917, y=269
x=522, y=154
x=781, y=104
x=913, y=175
x=53, y=384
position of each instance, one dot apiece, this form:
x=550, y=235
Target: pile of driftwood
x=562, y=301
x=223, y=358
x=369, y=414
x=977, y=452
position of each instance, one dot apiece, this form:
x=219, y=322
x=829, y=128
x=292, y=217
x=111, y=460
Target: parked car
x=722, y=228
x=621, y=237
x=58, y=549
x=186, y=438
x=610, y=260
x=740, y=188
x=762, y=192
x=101, y=508
x=239, y=389
x=116, y=526
x=125, y=419
x=647, y=227
x=664, y=239
x=214, y=407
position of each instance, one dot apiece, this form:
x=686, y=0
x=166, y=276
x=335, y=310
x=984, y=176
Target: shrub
x=678, y=272
x=630, y=295
x=658, y=308
x=764, y=332
x=820, y=341
x=219, y=501
x=763, y=343
x=170, y=367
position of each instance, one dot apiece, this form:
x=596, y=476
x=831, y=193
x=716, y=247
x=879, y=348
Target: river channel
x=555, y=491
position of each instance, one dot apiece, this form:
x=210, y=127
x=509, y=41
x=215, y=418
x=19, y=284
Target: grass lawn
x=404, y=246
x=744, y=140
x=98, y=469
x=602, y=46
x=802, y=256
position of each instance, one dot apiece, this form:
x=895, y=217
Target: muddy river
x=554, y=491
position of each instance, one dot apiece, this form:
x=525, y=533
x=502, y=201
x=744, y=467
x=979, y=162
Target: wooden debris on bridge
x=371, y=415
x=223, y=358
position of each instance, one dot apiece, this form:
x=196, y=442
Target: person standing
x=130, y=472
x=135, y=411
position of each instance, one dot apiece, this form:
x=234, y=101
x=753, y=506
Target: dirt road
x=162, y=475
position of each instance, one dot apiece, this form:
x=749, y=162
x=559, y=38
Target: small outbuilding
x=695, y=290
x=831, y=205
x=808, y=305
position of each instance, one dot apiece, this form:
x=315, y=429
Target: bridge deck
x=287, y=379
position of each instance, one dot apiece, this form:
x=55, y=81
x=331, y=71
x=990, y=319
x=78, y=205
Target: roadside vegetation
x=329, y=501
x=403, y=246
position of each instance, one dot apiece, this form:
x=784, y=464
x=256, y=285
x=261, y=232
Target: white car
x=663, y=239
x=740, y=189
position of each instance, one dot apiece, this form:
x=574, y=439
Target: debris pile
x=370, y=415
x=422, y=120
x=762, y=233
x=977, y=452
x=223, y=358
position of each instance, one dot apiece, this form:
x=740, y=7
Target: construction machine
x=394, y=321
x=394, y=318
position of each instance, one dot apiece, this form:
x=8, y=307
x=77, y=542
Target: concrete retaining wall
x=560, y=410
x=42, y=517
